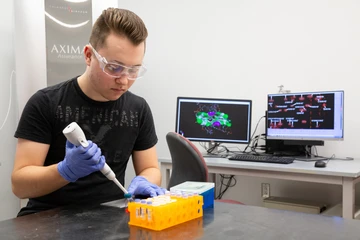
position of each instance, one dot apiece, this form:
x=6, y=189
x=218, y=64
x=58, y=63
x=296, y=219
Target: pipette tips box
x=205, y=189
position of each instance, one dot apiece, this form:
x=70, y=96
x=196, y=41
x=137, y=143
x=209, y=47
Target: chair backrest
x=188, y=163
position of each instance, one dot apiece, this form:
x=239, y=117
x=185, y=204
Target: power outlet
x=265, y=190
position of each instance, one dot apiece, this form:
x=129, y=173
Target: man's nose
x=122, y=79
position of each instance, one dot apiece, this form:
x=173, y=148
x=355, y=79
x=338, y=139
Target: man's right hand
x=80, y=162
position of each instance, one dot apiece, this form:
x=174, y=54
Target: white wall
x=9, y=204
x=245, y=49
x=30, y=51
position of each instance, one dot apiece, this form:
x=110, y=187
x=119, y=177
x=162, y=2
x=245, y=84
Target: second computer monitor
x=306, y=116
x=214, y=120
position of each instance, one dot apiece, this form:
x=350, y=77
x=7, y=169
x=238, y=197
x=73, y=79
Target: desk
x=345, y=173
x=224, y=221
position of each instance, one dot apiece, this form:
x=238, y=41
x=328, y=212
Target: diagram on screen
x=210, y=117
x=314, y=111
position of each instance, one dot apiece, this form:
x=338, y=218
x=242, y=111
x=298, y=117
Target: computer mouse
x=320, y=163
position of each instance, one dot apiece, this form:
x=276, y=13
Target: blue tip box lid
x=205, y=189
x=193, y=187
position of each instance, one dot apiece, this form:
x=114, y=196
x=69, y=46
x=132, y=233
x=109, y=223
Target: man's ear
x=87, y=54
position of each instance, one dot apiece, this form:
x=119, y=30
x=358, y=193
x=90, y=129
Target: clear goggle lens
x=118, y=70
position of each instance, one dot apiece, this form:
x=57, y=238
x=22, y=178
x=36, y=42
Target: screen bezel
x=306, y=138
x=247, y=101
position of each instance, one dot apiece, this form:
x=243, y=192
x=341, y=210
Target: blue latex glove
x=141, y=186
x=80, y=162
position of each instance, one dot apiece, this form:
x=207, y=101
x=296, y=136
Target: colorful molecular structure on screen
x=211, y=118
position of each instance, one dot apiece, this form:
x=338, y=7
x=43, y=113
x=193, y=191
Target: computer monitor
x=214, y=120
x=306, y=116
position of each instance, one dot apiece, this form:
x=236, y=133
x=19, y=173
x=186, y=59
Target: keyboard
x=262, y=158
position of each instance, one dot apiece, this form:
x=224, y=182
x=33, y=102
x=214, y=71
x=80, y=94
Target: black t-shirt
x=117, y=127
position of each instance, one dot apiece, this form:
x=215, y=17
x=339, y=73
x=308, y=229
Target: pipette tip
x=127, y=195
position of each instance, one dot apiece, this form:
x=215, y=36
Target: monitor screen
x=214, y=120
x=306, y=116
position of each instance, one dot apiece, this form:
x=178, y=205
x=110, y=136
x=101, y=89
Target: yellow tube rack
x=165, y=211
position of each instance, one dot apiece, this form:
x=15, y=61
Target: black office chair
x=188, y=163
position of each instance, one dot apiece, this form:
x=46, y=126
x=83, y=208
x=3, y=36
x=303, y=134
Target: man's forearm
x=153, y=175
x=36, y=181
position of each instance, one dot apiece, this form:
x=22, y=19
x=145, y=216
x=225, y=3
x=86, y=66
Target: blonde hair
x=121, y=22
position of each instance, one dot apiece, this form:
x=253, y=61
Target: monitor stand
x=215, y=151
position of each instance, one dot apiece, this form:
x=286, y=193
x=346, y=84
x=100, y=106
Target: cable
x=333, y=157
x=227, y=185
x=210, y=150
x=251, y=139
x=255, y=146
x=213, y=147
x=8, y=111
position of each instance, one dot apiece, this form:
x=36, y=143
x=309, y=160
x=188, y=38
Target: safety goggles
x=117, y=70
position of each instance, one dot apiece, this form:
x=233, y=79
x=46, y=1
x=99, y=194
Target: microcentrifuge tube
x=149, y=203
x=137, y=209
x=142, y=209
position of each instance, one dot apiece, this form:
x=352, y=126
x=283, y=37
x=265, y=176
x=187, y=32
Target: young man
x=51, y=171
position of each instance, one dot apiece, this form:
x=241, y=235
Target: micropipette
x=76, y=136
